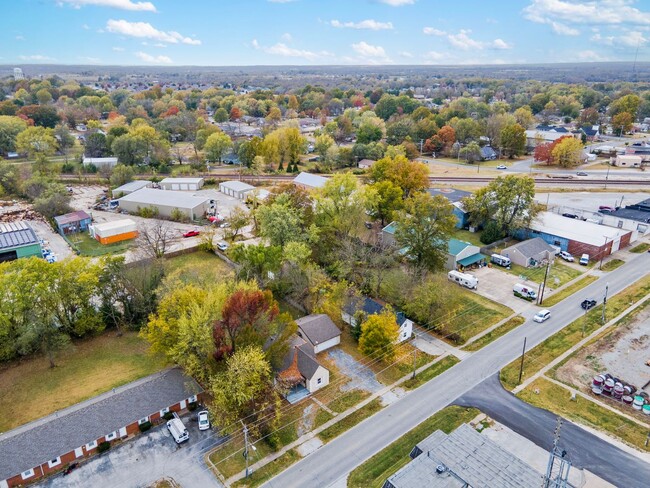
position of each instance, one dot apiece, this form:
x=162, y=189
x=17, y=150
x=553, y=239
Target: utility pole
x=541, y=295
x=521, y=368
x=415, y=361
x=605, y=302
x=246, y=445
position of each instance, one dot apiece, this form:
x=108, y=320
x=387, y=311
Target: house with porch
x=358, y=309
x=300, y=372
x=461, y=254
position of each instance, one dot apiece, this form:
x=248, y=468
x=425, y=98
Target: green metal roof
x=455, y=247
x=390, y=228
x=474, y=258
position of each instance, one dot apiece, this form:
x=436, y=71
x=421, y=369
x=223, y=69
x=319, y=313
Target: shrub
x=147, y=212
x=68, y=168
x=491, y=233
x=177, y=215
x=168, y=415
x=103, y=446
x=90, y=168
x=192, y=406
x=164, y=169
x=145, y=426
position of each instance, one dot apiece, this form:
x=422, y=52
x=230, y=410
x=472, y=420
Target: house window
x=642, y=228
x=142, y=421
x=620, y=224
x=111, y=436
x=319, y=381
x=54, y=462
x=164, y=411
x=27, y=474
x=191, y=399
x=91, y=445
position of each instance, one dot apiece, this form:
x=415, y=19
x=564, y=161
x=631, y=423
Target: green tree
x=410, y=176
x=471, y=152
x=622, y=123
x=216, y=146
x=36, y=141
x=423, y=228
x=433, y=298
x=387, y=199
x=9, y=178
x=221, y=115
x=508, y=200
x=322, y=144
x=256, y=261
x=280, y=222
x=568, y=153
x=628, y=103
x=378, y=336
x=10, y=127
x=340, y=205
x=513, y=140
x=524, y=117
x=65, y=139
x=121, y=175
x=238, y=219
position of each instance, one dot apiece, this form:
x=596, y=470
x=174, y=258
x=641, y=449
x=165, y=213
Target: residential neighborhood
x=261, y=247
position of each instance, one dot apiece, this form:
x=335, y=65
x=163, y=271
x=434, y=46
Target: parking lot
x=497, y=286
x=148, y=457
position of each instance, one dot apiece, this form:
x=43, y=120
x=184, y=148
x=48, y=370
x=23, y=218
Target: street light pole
x=605, y=302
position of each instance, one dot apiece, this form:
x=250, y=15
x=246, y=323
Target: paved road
x=145, y=459
x=584, y=449
x=333, y=462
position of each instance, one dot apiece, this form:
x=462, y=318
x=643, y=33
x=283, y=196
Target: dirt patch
x=307, y=420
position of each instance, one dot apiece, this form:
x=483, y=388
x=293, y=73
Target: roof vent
x=440, y=469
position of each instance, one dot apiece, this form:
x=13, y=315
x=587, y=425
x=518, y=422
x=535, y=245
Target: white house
x=359, y=309
x=301, y=372
x=319, y=331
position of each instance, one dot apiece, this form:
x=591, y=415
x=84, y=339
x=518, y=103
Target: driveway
x=361, y=377
x=141, y=461
x=585, y=450
x=496, y=285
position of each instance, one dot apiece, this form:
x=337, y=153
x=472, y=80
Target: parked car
x=588, y=303
x=222, y=246
x=191, y=233
x=570, y=215
x=566, y=256
x=606, y=208
x=204, y=420
x=502, y=166
x=224, y=225
x=581, y=173
x=584, y=259
x=542, y=316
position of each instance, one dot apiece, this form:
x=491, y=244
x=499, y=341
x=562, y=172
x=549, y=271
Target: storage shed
x=130, y=187
x=18, y=240
x=116, y=231
x=237, y=189
x=165, y=202
x=110, y=162
x=309, y=181
x=182, y=184
x=73, y=222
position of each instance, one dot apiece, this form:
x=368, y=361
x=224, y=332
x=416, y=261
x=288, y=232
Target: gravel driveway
x=360, y=378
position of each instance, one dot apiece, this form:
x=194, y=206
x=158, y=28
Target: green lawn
x=557, y=344
x=476, y=314
x=612, y=264
x=351, y=420
x=269, y=470
x=30, y=389
x=544, y=394
x=639, y=248
x=431, y=372
x=374, y=472
x=568, y=291
x=558, y=274
x=197, y=267
x=467, y=236
x=503, y=329
x=87, y=246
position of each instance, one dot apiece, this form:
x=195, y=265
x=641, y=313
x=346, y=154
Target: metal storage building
x=309, y=181
x=183, y=184
x=18, y=240
x=237, y=189
x=73, y=222
x=165, y=202
x=130, y=187
x=116, y=231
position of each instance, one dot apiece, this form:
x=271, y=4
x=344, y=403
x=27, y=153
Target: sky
x=323, y=32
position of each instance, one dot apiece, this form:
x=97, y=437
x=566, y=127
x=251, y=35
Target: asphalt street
x=333, y=462
x=584, y=449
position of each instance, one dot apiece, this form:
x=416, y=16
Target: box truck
x=463, y=279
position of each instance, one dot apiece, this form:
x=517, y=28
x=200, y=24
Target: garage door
x=175, y=186
x=185, y=186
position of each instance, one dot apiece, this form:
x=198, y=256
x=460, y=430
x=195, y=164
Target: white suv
x=542, y=316
x=566, y=256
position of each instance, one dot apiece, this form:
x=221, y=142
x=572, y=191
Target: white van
x=525, y=292
x=463, y=279
x=500, y=260
x=584, y=259
x=177, y=430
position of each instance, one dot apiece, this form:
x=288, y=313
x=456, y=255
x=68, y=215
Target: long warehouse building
x=164, y=202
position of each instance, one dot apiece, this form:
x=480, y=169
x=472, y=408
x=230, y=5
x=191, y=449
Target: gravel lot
x=360, y=378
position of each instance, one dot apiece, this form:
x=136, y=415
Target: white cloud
x=463, y=41
x=36, y=57
x=369, y=24
x=406, y=54
x=397, y=3
x=148, y=58
x=371, y=54
x=629, y=39
x=118, y=49
x=602, y=12
x=281, y=49
x=500, y=44
x=286, y=37
x=432, y=31
x=563, y=29
x=159, y=44
x=121, y=4
x=147, y=31
x=433, y=56
x=591, y=56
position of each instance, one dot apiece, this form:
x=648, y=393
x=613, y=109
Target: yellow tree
x=378, y=336
x=568, y=152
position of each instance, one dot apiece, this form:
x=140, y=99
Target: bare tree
x=154, y=239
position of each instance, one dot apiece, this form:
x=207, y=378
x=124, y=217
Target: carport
x=473, y=259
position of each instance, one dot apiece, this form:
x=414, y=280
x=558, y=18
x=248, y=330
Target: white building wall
x=321, y=374
x=324, y=346
x=405, y=331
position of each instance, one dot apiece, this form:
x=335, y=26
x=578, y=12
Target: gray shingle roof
x=307, y=363
x=16, y=234
x=531, y=247
x=318, y=328
x=470, y=457
x=38, y=442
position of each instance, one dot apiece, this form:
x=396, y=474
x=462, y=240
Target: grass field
x=557, y=399
x=431, y=372
x=197, y=267
x=639, y=248
x=477, y=314
x=30, y=389
x=88, y=246
x=351, y=420
x=554, y=346
x=503, y=329
x=373, y=472
x=612, y=264
x=558, y=274
x=268, y=471
x=467, y=236
x=568, y=291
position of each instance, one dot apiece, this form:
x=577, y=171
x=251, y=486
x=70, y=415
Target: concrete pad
x=496, y=285
x=306, y=448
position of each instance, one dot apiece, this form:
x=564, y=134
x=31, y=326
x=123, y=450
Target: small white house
x=364, y=307
x=301, y=372
x=182, y=184
x=237, y=189
x=319, y=331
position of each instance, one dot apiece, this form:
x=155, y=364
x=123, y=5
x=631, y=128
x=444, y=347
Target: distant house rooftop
x=181, y=180
x=574, y=229
x=318, y=328
x=532, y=247
x=150, y=196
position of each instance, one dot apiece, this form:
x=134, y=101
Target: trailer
x=463, y=279
x=112, y=232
